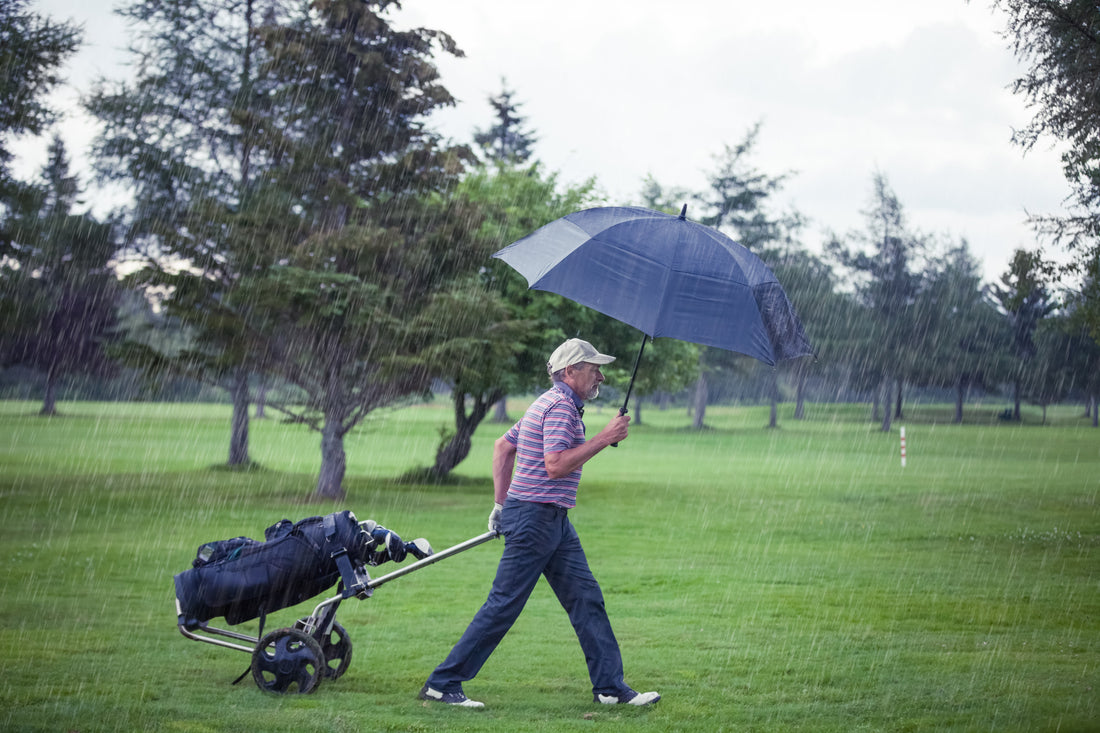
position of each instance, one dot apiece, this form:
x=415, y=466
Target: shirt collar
x=568, y=391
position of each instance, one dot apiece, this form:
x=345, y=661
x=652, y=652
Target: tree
x=737, y=204
x=657, y=197
x=347, y=98
x=811, y=286
x=57, y=303
x=960, y=336
x=1080, y=318
x=506, y=141
x=1024, y=296
x=1059, y=42
x=738, y=196
x=500, y=329
x=887, y=285
x=477, y=361
x=182, y=136
x=1049, y=375
x=32, y=50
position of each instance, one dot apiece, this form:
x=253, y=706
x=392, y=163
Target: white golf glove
x=494, y=518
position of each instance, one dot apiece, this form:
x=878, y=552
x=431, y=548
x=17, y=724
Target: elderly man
x=536, y=471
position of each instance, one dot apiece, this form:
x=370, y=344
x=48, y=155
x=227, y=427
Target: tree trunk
x=1095, y=412
x=637, y=410
x=261, y=400
x=800, y=392
x=453, y=453
x=1016, y=399
x=330, y=482
x=700, y=401
x=49, y=399
x=238, y=432
x=500, y=411
x=897, y=409
x=886, y=412
x=458, y=447
x=773, y=388
x=959, y=390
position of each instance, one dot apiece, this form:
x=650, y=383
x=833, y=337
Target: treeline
x=299, y=235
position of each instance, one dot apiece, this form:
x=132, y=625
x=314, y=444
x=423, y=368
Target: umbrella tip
x=684, y=212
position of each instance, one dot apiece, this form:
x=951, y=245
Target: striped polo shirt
x=552, y=424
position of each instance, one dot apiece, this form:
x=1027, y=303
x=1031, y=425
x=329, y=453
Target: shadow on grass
x=248, y=467
x=425, y=476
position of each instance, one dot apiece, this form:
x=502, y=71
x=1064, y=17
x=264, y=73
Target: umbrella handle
x=630, y=387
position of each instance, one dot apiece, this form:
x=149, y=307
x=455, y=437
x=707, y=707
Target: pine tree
x=506, y=141
x=32, y=50
x=181, y=136
x=58, y=294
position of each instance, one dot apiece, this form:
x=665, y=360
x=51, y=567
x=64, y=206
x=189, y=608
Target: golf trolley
x=243, y=579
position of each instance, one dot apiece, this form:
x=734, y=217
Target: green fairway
x=796, y=579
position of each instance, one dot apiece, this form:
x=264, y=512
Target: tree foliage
x=32, y=49
x=738, y=202
x=960, y=337
x=57, y=287
x=506, y=140
x=1024, y=295
x=885, y=262
x=1059, y=43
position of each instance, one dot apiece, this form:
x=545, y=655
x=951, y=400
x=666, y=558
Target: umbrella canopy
x=664, y=275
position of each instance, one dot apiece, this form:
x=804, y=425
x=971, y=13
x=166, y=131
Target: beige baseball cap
x=574, y=351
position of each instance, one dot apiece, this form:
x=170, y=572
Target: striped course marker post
x=903, y=446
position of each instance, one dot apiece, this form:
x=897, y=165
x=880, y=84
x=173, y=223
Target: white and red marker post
x=903, y=446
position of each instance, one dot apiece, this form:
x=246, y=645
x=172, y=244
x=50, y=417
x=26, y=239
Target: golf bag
x=242, y=578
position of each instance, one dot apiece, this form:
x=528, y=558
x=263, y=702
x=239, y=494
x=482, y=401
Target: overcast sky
x=619, y=89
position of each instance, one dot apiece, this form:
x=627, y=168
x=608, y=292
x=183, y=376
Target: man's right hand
x=617, y=429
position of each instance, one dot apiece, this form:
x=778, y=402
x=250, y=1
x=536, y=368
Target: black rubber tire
x=337, y=651
x=288, y=660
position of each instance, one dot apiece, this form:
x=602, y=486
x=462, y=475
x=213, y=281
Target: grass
x=796, y=579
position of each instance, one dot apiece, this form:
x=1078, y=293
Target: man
x=546, y=450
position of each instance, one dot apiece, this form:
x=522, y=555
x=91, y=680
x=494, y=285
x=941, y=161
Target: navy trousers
x=539, y=540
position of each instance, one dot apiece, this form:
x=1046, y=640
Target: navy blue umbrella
x=666, y=276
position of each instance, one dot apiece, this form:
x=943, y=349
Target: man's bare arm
x=565, y=462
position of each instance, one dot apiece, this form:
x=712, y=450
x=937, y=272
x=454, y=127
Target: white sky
x=619, y=89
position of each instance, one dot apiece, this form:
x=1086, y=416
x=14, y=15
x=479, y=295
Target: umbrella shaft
x=633, y=374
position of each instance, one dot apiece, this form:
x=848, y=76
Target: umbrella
x=664, y=275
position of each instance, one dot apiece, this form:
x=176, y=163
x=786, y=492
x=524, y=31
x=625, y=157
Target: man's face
x=586, y=380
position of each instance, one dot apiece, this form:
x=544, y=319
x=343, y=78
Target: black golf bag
x=242, y=578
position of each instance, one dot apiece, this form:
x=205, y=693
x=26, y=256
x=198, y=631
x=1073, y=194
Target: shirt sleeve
x=512, y=436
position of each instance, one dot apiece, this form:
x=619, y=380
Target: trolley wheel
x=337, y=650
x=288, y=660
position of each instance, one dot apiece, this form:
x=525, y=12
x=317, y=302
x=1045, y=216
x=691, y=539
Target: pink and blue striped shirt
x=552, y=424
